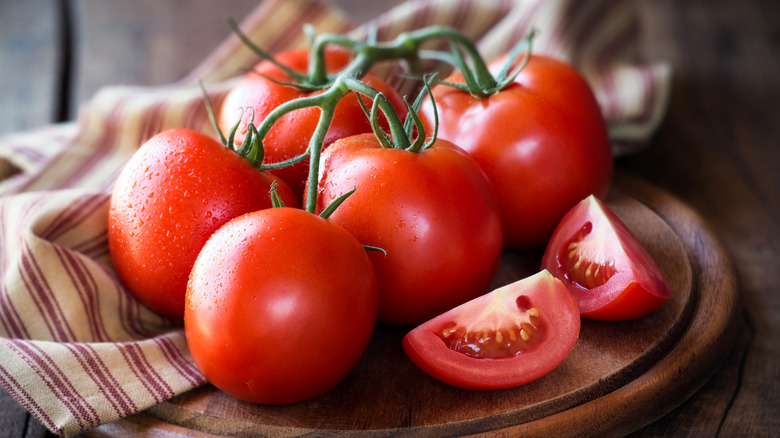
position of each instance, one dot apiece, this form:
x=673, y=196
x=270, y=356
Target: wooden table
x=718, y=149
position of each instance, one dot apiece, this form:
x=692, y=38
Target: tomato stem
x=315, y=150
x=464, y=55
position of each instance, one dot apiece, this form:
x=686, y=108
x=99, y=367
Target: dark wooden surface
x=718, y=149
x=618, y=378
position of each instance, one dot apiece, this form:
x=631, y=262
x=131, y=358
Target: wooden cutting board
x=619, y=377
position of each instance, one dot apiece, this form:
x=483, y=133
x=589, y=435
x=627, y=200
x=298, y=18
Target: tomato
x=542, y=142
x=281, y=305
x=434, y=214
x=506, y=338
x=176, y=190
x=610, y=274
x=261, y=91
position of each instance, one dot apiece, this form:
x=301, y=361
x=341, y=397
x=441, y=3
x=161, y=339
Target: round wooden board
x=619, y=377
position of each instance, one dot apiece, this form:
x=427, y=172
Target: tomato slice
x=506, y=338
x=605, y=267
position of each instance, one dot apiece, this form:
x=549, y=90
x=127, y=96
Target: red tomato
x=290, y=136
x=176, y=190
x=506, y=338
x=281, y=305
x=542, y=142
x=433, y=212
x=610, y=274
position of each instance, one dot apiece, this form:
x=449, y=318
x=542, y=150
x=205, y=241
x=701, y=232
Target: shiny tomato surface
x=433, y=213
x=281, y=305
x=262, y=90
x=542, y=142
x=177, y=189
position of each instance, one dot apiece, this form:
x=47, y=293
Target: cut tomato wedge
x=506, y=338
x=608, y=271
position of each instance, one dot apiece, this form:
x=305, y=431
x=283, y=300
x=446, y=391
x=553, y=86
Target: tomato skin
x=176, y=190
x=432, y=212
x=635, y=286
x=289, y=137
x=281, y=305
x=542, y=142
x=558, y=317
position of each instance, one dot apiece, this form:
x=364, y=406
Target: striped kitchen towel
x=76, y=349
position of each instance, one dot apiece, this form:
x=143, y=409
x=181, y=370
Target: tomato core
x=581, y=266
x=483, y=339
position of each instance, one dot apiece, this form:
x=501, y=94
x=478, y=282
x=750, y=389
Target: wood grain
x=619, y=377
x=717, y=150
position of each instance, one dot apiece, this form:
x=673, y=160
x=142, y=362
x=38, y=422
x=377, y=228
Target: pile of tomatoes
x=397, y=227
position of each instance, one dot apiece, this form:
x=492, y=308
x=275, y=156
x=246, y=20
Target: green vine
x=463, y=55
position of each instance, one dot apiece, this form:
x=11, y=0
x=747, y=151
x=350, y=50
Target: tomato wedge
x=506, y=338
x=605, y=267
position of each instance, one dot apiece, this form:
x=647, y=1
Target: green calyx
x=478, y=80
x=402, y=134
x=408, y=134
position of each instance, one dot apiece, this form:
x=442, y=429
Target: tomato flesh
x=521, y=330
x=506, y=338
x=605, y=267
x=584, y=266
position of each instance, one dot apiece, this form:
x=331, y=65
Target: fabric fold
x=76, y=348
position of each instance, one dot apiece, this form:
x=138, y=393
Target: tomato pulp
x=506, y=338
x=607, y=269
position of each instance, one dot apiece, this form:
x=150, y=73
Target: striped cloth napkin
x=76, y=349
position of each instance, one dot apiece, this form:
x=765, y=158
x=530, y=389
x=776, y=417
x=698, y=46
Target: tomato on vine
x=538, y=133
x=268, y=85
x=428, y=205
x=177, y=189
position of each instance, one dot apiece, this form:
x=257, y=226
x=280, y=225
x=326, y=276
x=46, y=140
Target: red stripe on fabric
x=57, y=382
x=16, y=390
x=186, y=368
x=649, y=95
x=88, y=293
x=151, y=121
x=620, y=38
x=94, y=247
x=101, y=376
x=26, y=151
x=313, y=13
x=43, y=296
x=145, y=372
x=559, y=36
x=594, y=19
x=104, y=145
x=13, y=325
x=194, y=113
x=273, y=7
x=463, y=12
x=523, y=26
x=72, y=216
